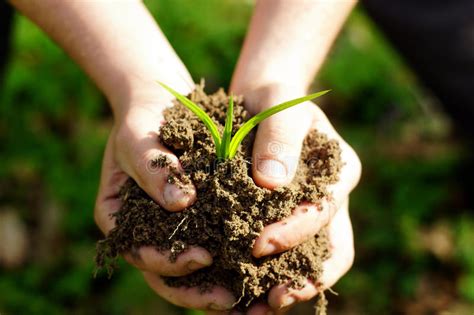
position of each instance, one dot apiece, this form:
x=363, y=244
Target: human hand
x=131, y=148
x=275, y=167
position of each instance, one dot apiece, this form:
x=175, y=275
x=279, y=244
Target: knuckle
x=329, y=210
x=145, y=164
x=356, y=165
x=146, y=169
x=353, y=163
x=348, y=260
x=287, y=240
x=278, y=145
x=123, y=134
x=123, y=143
x=280, y=133
x=326, y=210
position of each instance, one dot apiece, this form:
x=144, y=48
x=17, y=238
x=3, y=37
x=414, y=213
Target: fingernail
x=196, y=265
x=268, y=249
x=289, y=300
x=217, y=307
x=272, y=168
x=173, y=194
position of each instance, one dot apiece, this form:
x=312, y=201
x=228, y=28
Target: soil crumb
x=230, y=210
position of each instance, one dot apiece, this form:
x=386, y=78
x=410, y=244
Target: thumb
x=277, y=146
x=153, y=167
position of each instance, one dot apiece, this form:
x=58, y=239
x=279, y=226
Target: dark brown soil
x=230, y=211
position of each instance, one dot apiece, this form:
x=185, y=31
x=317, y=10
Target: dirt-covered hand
x=131, y=149
x=282, y=298
x=276, y=154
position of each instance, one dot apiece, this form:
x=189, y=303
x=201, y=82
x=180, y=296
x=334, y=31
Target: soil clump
x=230, y=210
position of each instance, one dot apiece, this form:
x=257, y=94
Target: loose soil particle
x=230, y=210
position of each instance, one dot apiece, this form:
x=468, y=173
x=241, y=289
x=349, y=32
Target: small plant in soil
x=230, y=210
x=226, y=146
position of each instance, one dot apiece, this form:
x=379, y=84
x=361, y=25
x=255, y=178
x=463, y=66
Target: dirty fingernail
x=272, y=168
x=173, y=194
x=289, y=300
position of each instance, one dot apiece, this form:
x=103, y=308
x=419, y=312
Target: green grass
x=54, y=125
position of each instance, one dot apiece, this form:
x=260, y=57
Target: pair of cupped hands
x=133, y=145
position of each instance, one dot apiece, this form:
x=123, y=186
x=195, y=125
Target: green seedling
x=227, y=146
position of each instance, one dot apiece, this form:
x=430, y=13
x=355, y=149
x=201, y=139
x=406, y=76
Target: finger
x=277, y=146
x=224, y=313
x=342, y=256
x=234, y=312
x=349, y=175
x=149, y=259
x=280, y=311
x=260, y=309
x=342, y=248
x=111, y=181
x=220, y=313
x=216, y=299
x=282, y=297
x=305, y=222
x=351, y=169
x=139, y=150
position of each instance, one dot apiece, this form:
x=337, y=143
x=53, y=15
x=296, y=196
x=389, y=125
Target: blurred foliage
x=413, y=227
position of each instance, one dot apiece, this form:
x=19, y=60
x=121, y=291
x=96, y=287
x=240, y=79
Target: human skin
x=286, y=44
x=126, y=56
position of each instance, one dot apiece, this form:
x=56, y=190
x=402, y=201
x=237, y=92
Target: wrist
x=140, y=92
x=260, y=96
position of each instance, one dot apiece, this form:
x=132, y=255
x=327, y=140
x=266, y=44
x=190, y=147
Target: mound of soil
x=230, y=210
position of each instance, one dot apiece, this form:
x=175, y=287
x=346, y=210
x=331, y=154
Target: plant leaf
x=255, y=120
x=225, y=144
x=198, y=111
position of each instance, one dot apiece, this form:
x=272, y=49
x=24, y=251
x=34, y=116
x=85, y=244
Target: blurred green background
x=414, y=229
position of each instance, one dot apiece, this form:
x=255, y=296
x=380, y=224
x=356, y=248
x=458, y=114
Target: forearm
x=287, y=42
x=116, y=42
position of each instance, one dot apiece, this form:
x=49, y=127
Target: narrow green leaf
x=225, y=145
x=200, y=113
x=255, y=120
